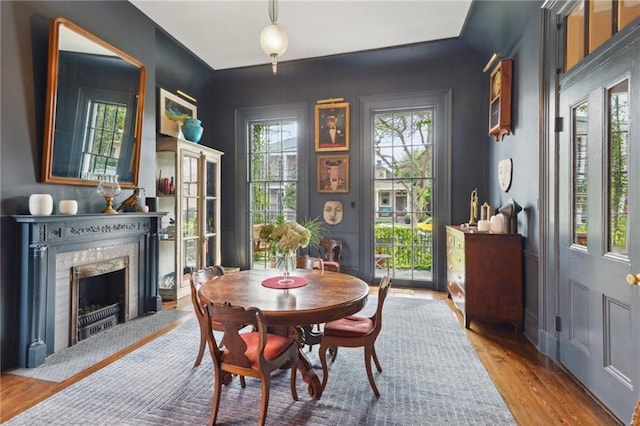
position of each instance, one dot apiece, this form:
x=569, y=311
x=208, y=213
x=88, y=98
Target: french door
x=406, y=159
x=599, y=224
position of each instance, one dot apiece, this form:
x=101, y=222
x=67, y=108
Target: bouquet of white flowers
x=287, y=237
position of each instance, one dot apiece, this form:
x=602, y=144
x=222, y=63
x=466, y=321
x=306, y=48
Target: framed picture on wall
x=333, y=173
x=332, y=127
x=172, y=110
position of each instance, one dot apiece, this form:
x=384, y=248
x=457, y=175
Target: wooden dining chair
x=250, y=353
x=308, y=262
x=355, y=331
x=330, y=251
x=197, y=279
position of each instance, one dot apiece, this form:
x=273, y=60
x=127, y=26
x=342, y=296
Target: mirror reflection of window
x=102, y=140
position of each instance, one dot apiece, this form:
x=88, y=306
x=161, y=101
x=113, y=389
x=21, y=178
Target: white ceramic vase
x=40, y=204
x=68, y=207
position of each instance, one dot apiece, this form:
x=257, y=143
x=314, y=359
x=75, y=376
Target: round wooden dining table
x=326, y=296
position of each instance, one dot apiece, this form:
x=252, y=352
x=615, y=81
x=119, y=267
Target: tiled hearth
x=64, y=264
x=51, y=245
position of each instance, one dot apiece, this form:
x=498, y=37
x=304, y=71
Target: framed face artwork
x=332, y=212
x=333, y=173
x=332, y=127
x=505, y=170
x=172, y=110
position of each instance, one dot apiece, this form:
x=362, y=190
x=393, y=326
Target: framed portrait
x=172, y=110
x=333, y=173
x=332, y=127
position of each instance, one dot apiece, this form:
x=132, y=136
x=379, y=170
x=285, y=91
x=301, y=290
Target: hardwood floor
x=536, y=390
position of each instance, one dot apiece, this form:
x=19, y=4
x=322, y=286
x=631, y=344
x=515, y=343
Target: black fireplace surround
x=42, y=237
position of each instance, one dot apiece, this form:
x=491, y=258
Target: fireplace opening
x=99, y=297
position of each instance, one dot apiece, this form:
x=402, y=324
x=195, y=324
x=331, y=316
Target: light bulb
x=274, y=40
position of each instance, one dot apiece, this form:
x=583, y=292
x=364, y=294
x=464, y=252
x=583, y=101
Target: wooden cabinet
x=189, y=190
x=484, y=275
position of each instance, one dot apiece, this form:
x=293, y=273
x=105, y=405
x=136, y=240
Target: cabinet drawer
x=455, y=240
x=457, y=295
x=455, y=274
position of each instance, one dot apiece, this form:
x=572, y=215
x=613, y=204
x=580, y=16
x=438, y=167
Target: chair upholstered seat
x=351, y=326
x=276, y=346
x=332, y=265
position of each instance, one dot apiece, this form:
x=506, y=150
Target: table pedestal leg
x=303, y=335
x=309, y=375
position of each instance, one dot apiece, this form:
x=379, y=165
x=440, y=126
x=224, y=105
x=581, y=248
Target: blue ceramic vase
x=192, y=129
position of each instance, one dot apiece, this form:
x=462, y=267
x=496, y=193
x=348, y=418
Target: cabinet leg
x=467, y=321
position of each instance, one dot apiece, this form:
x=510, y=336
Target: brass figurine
x=473, y=210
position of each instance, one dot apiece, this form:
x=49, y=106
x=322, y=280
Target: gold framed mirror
x=94, y=105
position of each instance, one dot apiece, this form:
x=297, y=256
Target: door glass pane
x=618, y=167
x=600, y=22
x=190, y=217
x=211, y=174
x=628, y=10
x=190, y=250
x=575, y=37
x=403, y=179
x=580, y=113
x=189, y=176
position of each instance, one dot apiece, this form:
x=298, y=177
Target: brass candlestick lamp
x=109, y=187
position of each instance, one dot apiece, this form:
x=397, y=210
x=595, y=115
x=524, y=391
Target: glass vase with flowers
x=286, y=238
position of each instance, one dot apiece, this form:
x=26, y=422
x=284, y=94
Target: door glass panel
x=403, y=182
x=190, y=217
x=600, y=22
x=628, y=10
x=210, y=170
x=189, y=176
x=575, y=37
x=190, y=250
x=580, y=116
x=618, y=98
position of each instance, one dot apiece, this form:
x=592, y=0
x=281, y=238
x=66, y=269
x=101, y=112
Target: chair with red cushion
x=249, y=353
x=197, y=279
x=330, y=251
x=355, y=331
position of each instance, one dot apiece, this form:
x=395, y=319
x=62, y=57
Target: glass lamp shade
x=274, y=40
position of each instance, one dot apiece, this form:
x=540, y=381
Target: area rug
x=431, y=376
x=69, y=361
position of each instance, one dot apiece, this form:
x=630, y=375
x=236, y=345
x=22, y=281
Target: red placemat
x=274, y=282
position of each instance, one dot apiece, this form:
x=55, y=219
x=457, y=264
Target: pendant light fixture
x=273, y=38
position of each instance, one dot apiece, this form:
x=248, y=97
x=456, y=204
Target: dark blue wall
x=447, y=64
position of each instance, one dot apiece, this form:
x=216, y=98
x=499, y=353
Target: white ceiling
x=225, y=34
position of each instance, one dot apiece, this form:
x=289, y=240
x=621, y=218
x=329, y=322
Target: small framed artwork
x=172, y=111
x=333, y=173
x=332, y=127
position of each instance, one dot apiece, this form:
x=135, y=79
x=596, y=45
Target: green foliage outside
x=403, y=238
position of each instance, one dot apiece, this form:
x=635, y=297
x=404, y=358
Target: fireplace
x=117, y=256
x=99, y=293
